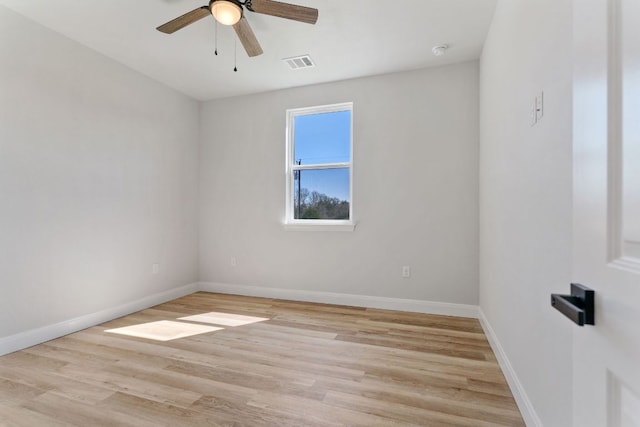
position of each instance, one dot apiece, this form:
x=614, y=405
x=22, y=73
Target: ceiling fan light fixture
x=226, y=12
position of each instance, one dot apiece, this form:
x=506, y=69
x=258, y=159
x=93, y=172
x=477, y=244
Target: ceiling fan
x=231, y=12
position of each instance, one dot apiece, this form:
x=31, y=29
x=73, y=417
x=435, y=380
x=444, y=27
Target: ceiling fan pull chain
x=235, y=55
x=215, y=38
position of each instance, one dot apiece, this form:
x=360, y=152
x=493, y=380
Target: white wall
x=525, y=196
x=98, y=181
x=415, y=190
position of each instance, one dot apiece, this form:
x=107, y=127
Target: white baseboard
x=416, y=306
x=529, y=414
x=36, y=336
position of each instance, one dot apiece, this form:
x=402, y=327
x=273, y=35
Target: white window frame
x=290, y=223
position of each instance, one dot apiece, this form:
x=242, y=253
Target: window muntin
x=319, y=165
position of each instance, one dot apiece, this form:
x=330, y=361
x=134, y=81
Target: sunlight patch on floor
x=224, y=319
x=164, y=330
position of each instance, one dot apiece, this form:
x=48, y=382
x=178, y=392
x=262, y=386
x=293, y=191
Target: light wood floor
x=308, y=365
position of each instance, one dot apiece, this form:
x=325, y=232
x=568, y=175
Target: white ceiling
x=353, y=38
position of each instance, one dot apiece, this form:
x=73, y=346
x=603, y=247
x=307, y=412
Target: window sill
x=320, y=226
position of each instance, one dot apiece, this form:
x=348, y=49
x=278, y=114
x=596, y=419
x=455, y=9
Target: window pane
x=323, y=138
x=321, y=194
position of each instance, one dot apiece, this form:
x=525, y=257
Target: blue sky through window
x=323, y=138
x=320, y=139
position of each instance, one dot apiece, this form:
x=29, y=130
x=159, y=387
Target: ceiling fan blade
x=184, y=20
x=284, y=10
x=247, y=37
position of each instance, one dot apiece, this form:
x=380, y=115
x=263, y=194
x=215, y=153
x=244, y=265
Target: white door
x=606, y=374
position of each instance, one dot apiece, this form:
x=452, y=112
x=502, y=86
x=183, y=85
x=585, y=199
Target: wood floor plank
x=54, y=382
x=16, y=416
x=146, y=389
x=153, y=412
x=318, y=413
x=403, y=413
x=11, y=391
x=75, y=413
x=203, y=386
x=308, y=365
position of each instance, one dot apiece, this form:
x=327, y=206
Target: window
x=319, y=168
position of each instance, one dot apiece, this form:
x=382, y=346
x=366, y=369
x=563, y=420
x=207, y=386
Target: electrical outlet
x=155, y=268
x=406, y=271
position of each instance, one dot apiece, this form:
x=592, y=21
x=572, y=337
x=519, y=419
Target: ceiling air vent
x=299, y=62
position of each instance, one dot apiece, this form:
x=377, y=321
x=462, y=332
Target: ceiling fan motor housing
x=237, y=2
